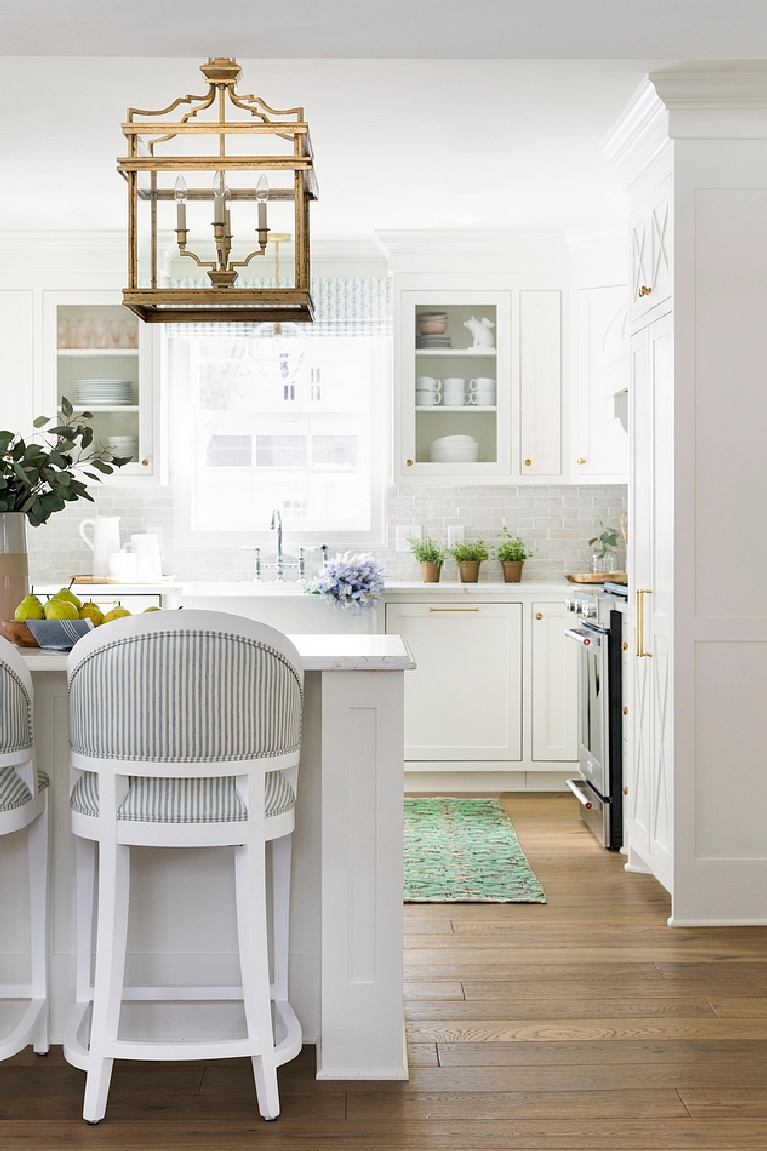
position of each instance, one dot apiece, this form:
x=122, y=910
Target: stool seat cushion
x=204, y=800
x=14, y=791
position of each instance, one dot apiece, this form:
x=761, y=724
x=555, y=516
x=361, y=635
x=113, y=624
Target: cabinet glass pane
x=97, y=369
x=455, y=384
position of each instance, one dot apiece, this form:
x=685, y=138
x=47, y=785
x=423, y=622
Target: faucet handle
x=257, y=575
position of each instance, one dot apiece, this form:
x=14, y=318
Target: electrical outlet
x=405, y=530
x=456, y=534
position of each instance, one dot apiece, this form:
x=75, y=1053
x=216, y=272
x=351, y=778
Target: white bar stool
x=23, y=803
x=185, y=731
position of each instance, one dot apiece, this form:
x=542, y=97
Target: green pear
x=60, y=609
x=29, y=608
x=68, y=594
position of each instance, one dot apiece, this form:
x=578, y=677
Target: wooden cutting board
x=598, y=577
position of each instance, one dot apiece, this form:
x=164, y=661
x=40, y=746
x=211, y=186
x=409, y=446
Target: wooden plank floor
x=579, y=1025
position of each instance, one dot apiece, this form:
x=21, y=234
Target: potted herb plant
x=512, y=554
x=38, y=479
x=603, y=558
x=430, y=556
x=469, y=554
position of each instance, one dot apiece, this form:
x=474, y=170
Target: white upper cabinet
x=475, y=403
x=651, y=267
x=540, y=384
x=103, y=360
x=600, y=442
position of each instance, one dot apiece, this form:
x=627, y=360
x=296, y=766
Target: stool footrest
x=24, y=1031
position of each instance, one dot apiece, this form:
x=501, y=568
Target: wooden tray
x=17, y=633
x=598, y=577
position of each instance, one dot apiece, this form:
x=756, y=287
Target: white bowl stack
x=104, y=393
x=454, y=450
x=123, y=446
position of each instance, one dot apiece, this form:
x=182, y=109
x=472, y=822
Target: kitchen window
x=286, y=421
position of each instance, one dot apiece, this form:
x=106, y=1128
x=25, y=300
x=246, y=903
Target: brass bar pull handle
x=641, y=593
x=453, y=609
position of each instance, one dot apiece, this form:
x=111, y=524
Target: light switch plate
x=456, y=534
x=405, y=530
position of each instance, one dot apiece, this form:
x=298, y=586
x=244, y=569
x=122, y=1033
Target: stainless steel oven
x=597, y=631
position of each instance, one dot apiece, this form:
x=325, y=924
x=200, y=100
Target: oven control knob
x=571, y=605
x=588, y=610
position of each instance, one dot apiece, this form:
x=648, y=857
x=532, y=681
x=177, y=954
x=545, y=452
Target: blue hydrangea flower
x=350, y=583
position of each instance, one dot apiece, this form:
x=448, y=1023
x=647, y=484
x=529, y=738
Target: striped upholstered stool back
x=15, y=707
x=185, y=695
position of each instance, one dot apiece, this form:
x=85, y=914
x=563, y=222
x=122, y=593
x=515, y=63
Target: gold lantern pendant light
x=229, y=165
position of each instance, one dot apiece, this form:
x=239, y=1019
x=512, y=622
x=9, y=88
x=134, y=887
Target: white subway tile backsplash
x=558, y=520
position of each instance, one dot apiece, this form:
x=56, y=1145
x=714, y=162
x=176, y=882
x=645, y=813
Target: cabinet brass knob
x=625, y=791
x=145, y=463
x=528, y=463
x=644, y=291
x=624, y=646
x=625, y=711
x=409, y=463
x=581, y=460
x=538, y=615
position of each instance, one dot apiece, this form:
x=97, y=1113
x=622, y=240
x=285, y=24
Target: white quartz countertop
x=493, y=588
x=318, y=653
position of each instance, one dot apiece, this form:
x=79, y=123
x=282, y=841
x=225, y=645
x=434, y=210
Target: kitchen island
x=346, y=905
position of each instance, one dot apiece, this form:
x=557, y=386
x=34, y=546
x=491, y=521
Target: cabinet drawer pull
x=528, y=463
x=644, y=291
x=581, y=460
x=539, y=615
x=453, y=609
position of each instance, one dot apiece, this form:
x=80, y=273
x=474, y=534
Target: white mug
x=454, y=399
x=453, y=383
x=123, y=567
x=424, y=383
x=424, y=398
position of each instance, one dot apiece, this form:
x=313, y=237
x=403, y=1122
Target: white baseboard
x=490, y=782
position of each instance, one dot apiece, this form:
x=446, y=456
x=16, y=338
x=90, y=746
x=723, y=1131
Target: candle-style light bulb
x=262, y=195
x=180, y=196
x=219, y=192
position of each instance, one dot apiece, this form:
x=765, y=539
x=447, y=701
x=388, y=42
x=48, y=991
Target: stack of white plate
x=104, y=393
x=123, y=446
x=454, y=450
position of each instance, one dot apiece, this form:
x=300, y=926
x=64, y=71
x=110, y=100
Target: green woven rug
x=465, y=851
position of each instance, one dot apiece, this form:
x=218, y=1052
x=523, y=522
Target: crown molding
x=732, y=84
x=465, y=241
x=643, y=118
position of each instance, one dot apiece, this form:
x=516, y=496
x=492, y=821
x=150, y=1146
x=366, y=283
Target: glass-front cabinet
x=455, y=384
x=100, y=357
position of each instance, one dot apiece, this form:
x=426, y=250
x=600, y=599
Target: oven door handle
x=585, y=639
x=582, y=799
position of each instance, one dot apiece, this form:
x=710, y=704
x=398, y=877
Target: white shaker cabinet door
x=650, y=821
x=464, y=700
x=600, y=435
x=540, y=383
x=555, y=670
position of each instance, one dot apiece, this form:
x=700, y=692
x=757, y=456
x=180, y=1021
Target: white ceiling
x=387, y=29
x=424, y=113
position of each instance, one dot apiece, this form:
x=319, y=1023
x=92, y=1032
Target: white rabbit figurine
x=482, y=331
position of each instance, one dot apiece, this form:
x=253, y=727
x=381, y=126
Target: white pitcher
x=106, y=540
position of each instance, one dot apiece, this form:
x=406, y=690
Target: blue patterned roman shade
x=349, y=306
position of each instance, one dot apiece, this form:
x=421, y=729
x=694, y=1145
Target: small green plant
x=469, y=550
x=608, y=538
x=427, y=551
x=512, y=548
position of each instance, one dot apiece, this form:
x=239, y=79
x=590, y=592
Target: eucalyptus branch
x=40, y=478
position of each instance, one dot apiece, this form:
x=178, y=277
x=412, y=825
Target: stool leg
x=85, y=854
x=111, y=940
x=250, y=884
x=281, y=857
x=37, y=856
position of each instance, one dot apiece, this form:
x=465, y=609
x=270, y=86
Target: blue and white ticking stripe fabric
x=185, y=696
x=14, y=791
x=183, y=800
x=15, y=712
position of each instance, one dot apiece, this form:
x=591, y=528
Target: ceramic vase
x=14, y=572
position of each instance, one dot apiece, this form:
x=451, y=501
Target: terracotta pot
x=14, y=581
x=469, y=571
x=430, y=572
x=512, y=570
